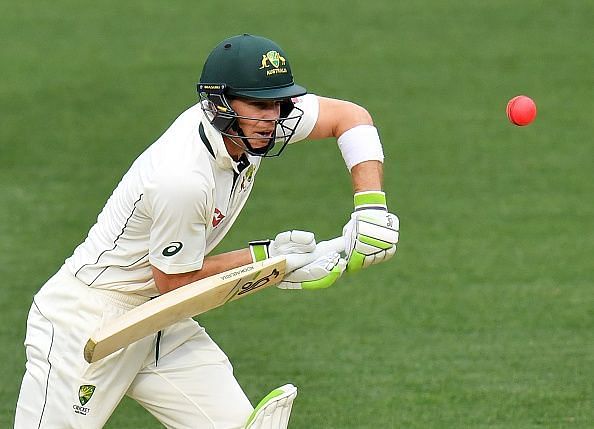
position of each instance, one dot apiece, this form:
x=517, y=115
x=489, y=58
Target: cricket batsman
x=156, y=233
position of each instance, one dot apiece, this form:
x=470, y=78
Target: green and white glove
x=371, y=235
x=297, y=246
x=320, y=274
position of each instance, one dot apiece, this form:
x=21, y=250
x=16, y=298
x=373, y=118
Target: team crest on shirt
x=85, y=392
x=247, y=177
x=84, y=395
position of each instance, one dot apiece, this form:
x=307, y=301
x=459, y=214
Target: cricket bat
x=187, y=301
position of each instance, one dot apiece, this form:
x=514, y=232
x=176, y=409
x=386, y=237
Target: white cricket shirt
x=173, y=206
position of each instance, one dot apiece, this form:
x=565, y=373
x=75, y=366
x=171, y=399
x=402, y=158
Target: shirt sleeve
x=310, y=105
x=179, y=208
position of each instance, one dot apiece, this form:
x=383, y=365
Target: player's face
x=264, y=113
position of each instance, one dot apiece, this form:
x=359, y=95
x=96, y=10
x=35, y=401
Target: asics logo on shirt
x=173, y=248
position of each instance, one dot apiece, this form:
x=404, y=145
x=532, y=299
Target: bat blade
x=187, y=301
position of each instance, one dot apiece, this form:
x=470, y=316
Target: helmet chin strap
x=246, y=143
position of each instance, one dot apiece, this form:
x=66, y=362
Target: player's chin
x=259, y=143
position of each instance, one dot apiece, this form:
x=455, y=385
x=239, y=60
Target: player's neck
x=233, y=149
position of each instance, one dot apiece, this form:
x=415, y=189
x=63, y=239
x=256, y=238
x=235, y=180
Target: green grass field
x=485, y=317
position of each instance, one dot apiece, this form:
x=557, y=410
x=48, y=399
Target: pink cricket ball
x=521, y=110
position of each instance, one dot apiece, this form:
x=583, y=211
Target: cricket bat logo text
x=250, y=286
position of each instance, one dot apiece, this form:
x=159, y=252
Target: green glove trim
x=324, y=282
x=355, y=262
x=273, y=394
x=259, y=250
x=370, y=198
x=374, y=242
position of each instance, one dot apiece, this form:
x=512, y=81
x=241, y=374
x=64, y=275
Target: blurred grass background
x=485, y=317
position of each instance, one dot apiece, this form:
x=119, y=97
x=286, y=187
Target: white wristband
x=360, y=143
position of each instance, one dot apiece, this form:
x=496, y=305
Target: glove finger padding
x=298, y=260
x=374, y=234
x=297, y=246
x=370, y=238
x=292, y=242
x=320, y=274
x=330, y=246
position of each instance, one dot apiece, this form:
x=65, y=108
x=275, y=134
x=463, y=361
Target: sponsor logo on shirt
x=217, y=218
x=173, y=248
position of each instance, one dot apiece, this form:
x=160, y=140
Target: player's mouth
x=263, y=134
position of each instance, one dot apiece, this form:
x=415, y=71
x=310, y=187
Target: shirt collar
x=216, y=146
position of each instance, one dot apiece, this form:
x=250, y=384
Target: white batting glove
x=371, y=235
x=297, y=246
x=320, y=274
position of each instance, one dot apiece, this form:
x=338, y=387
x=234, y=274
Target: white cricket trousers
x=190, y=385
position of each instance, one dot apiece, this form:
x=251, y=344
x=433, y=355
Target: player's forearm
x=367, y=176
x=212, y=265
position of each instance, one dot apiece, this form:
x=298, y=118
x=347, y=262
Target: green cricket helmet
x=255, y=68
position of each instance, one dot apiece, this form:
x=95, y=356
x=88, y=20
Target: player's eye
x=265, y=105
